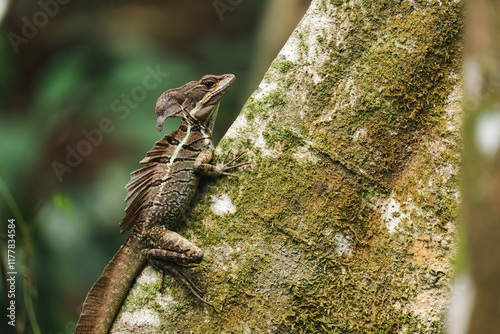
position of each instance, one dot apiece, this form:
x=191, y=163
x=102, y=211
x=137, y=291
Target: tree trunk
x=345, y=221
x=481, y=204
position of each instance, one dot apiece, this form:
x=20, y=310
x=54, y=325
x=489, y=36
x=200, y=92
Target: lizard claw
x=187, y=282
x=162, y=278
x=176, y=272
x=229, y=164
x=222, y=168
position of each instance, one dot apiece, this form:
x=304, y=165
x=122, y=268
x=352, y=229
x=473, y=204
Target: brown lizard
x=157, y=195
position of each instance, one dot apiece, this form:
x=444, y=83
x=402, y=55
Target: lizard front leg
x=170, y=252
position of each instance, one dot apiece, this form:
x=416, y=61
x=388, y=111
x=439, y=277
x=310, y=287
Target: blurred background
x=78, y=85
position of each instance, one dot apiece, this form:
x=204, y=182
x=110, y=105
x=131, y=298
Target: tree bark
x=345, y=220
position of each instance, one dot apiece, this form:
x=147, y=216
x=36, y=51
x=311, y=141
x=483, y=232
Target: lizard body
x=157, y=195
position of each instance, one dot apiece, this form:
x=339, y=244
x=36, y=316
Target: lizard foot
x=175, y=271
x=229, y=164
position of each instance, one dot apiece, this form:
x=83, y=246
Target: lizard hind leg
x=170, y=252
x=176, y=271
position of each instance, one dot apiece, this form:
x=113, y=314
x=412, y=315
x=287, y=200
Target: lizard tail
x=107, y=294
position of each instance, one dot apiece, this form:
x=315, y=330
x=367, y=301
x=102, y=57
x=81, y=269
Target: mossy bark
x=345, y=219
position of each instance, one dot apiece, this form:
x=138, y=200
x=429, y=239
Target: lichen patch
x=222, y=205
x=144, y=320
x=391, y=214
x=343, y=244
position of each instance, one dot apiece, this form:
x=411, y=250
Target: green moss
x=259, y=107
x=448, y=209
x=285, y=137
x=337, y=2
x=303, y=47
x=274, y=99
x=320, y=39
x=283, y=66
x=141, y=297
x=272, y=211
x=403, y=83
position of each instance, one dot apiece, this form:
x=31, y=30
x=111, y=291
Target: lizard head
x=197, y=101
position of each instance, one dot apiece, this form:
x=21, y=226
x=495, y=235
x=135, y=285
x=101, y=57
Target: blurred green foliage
x=79, y=85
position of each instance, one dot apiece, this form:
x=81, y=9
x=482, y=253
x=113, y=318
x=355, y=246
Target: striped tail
x=107, y=294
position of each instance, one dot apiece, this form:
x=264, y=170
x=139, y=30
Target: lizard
x=157, y=195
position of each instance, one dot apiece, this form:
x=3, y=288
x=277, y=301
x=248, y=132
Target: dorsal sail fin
x=137, y=187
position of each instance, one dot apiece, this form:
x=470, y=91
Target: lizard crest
x=198, y=99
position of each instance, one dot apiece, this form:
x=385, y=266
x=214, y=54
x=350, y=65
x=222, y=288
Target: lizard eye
x=209, y=84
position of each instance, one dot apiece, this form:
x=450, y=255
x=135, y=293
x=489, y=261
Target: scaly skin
x=158, y=194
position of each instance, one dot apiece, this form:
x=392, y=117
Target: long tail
x=107, y=294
